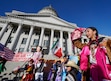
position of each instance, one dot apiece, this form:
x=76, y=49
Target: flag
x=56, y=49
x=6, y=52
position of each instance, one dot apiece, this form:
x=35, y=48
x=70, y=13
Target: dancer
x=93, y=56
x=37, y=55
x=40, y=70
x=76, y=40
x=29, y=71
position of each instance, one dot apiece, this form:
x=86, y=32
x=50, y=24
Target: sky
x=84, y=13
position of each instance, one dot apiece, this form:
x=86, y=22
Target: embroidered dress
x=92, y=57
x=37, y=56
x=98, y=67
x=28, y=75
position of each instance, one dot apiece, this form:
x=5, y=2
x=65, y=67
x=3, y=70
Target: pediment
x=53, y=20
x=43, y=18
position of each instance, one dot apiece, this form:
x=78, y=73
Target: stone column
x=41, y=37
x=29, y=38
x=61, y=40
x=6, y=35
x=69, y=43
x=3, y=30
x=51, y=40
x=15, y=36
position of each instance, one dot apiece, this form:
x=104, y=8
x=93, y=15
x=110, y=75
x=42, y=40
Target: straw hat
x=72, y=64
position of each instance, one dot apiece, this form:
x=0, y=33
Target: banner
x=22, y=56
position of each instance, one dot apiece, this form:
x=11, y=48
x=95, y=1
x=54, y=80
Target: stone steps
x=7, y=74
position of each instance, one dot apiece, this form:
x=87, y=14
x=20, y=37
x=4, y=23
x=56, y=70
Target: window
x=26, y=32
x=21, y=49
x=33, y=49
x=45, y=51
x=0, y=29
x=46, y=43
x=64, y=44
x=24, y=40
x=36, y=42
x=10, y=39
x=6, y=30
x=14, y=30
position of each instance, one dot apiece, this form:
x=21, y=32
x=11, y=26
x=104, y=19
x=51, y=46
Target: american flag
x=6, y=53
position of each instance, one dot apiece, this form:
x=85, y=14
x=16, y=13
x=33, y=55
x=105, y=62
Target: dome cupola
x=48, y=11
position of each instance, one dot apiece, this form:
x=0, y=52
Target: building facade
x=22, y=31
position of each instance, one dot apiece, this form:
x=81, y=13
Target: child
x=40, y=70
x=37, y=55
x=29, y=74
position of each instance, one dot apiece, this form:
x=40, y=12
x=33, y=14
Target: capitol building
x=21, y=31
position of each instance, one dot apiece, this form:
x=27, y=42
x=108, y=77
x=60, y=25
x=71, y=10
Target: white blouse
x=93, y=57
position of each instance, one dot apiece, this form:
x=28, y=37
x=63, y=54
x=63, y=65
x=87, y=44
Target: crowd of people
x=93, y=63
x=59, y=68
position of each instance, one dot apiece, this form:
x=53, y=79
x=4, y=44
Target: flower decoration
x=77, y=33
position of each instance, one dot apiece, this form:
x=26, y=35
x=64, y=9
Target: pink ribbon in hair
x=77, y=33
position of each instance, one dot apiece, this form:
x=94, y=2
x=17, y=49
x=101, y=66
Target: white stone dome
x=48, y=11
